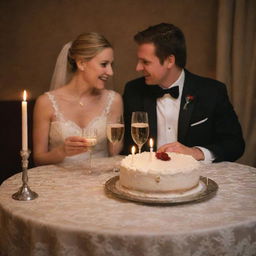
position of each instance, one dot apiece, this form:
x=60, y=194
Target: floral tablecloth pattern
x=73, y=215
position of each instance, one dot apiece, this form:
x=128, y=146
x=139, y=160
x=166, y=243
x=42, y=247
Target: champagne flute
x=139, y=128
x=90, y=134
x=115, y=132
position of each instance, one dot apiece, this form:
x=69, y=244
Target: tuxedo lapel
x=185, y=113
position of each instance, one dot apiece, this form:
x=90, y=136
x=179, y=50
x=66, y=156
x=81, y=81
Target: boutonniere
x=188, y=99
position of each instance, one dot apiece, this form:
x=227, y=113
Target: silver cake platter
x=206, y=189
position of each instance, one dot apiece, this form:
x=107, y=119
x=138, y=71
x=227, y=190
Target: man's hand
x=180, y=148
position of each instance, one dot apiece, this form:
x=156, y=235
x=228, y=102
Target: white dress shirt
x=168, y=110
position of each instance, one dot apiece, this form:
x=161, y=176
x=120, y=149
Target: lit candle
x=133, y=153
x=151, y=144
x=24, y=122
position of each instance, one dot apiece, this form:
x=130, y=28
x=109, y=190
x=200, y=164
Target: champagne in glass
x=115, y=129
x=90, y=134
x=115, y=132
x=139, y=128
x=140, y=133
x=91, y=142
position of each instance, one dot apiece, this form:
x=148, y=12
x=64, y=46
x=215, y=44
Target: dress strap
x=111, y=95
x=55, y=106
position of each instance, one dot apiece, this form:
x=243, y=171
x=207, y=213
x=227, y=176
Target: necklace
x=82, y=104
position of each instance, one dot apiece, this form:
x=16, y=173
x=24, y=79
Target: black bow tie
x=173, y=91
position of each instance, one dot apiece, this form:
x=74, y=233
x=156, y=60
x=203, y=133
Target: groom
x=187, y=113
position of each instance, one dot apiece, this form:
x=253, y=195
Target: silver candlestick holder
x=25, y=193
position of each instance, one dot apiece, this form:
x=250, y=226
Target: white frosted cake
x=146, y=173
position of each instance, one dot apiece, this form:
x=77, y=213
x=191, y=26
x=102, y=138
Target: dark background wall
x=33, y=32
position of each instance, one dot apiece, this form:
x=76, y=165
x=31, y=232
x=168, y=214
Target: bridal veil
x=62, y=72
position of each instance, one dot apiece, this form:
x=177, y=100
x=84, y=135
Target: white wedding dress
x=61, y=128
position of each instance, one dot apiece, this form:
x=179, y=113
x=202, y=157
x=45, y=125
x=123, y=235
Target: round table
x=73, y=215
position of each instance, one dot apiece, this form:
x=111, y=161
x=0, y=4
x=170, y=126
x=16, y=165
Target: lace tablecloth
x=74, y=216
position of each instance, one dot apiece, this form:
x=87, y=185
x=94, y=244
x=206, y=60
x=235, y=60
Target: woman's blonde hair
x=86, y=46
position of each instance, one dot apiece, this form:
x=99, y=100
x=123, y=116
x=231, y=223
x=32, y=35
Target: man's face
x=149, y=64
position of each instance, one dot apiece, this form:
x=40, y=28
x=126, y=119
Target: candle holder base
x=25, y=194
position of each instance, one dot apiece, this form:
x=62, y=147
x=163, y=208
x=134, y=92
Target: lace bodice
x=61, y=128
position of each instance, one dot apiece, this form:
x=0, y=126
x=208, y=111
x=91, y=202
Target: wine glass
x=139, y=128
x=90, y=134
x=115, y=132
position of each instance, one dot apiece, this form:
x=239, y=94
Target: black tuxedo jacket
x=208, y=120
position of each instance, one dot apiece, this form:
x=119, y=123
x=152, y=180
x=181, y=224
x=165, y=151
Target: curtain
x=236, y=65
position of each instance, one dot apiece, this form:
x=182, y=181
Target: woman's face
x=99, y=69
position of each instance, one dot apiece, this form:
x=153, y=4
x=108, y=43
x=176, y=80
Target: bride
x=61, y=115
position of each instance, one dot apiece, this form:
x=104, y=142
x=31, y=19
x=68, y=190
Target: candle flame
x=25, y=95
x=133, y=150
x=151, y=143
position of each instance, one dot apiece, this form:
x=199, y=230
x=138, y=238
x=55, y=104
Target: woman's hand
x=74, y=145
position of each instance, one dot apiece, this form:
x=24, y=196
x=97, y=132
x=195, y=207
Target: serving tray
x=206, y=189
